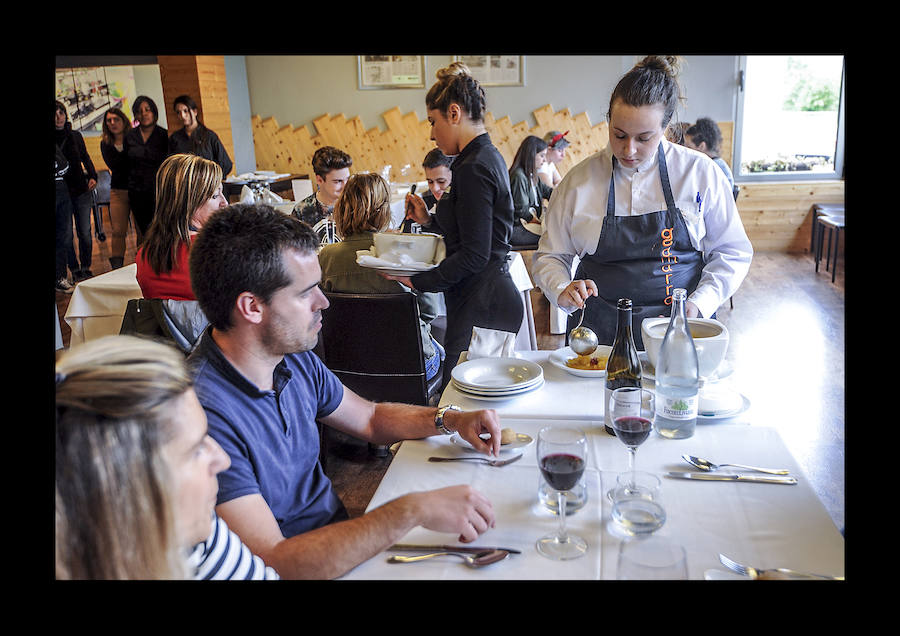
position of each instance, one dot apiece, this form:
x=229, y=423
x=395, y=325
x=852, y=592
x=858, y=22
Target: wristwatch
x=439, y=418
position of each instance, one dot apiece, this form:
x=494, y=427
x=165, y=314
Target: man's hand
x=575, y=293
x=416, y=210
x=460, y=509
x=471, y=424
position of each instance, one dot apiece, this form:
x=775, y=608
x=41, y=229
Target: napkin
x=491, y=343
x=534, y=228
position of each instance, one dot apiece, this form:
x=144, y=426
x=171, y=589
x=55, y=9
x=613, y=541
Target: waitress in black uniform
x=474, y=215
x=645, y=216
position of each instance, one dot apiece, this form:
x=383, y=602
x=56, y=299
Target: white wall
x=298, y=89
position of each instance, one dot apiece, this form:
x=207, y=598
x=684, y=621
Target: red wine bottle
x=623, y=368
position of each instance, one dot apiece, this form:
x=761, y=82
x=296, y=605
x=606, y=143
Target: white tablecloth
x=98, y=304
x=766, y=525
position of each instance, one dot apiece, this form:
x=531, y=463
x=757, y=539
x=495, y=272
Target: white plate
x=489, y=390
x=499, y=398
x=522, y=441
x=558, y=359
x=745, y=404
x=398, y=271
x=723, y=575
x=497, y=373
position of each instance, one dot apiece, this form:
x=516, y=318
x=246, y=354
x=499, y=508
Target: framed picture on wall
x=391, y=71
x=89, y=92
x=495, y=70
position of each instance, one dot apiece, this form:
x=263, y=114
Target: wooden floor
x=787, y=349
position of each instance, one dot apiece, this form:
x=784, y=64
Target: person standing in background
x=195, y=138
x=112, y=148
x=147, y=145
x=80, y=178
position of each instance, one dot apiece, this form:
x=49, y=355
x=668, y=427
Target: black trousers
x=143, y=206
x=489, y=300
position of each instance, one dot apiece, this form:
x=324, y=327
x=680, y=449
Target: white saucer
x=558, y=359
x=522, y=441
x=745, y=404
x=648, y=371
x=397, y=271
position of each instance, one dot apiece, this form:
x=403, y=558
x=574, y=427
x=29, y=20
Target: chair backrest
x=373, y=343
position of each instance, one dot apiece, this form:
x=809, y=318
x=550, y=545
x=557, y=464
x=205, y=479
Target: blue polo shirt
x=271, y=436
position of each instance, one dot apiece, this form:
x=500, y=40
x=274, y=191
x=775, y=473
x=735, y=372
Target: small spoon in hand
x=582, y=340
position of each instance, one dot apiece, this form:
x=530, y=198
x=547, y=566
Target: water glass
x=575, y=498
x=637, y=509
x=651, y=558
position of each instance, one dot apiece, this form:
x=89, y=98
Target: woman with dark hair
x=528, y=191
x=706, y=137
x=195, y=138
x=80, y=179
x=147, y=146
x=112, y=147
x=475, y=217
x=644, y=216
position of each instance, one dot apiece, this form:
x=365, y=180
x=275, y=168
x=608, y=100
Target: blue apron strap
x=611, y=199
x=664, y=177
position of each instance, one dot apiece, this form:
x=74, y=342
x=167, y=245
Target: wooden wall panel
x=778, y=215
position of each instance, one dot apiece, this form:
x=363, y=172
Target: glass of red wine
x=631, y=413
x=562, y=457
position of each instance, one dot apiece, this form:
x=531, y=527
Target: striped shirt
x=224, y=557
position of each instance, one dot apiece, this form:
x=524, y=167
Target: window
x=790, y=118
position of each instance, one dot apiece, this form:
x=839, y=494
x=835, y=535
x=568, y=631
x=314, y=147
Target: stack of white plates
x=497, y=378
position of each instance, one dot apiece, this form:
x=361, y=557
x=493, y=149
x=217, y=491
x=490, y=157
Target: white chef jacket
x=574, y=219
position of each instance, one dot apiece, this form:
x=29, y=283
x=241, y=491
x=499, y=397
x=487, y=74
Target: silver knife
x=721, y=477
x=454, y=548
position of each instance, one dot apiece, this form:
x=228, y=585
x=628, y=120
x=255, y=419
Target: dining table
x=98, y=304
x=762, y=524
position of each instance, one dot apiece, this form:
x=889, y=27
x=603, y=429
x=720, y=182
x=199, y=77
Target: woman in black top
x=527, y=189
x=196, y=139
x=147, y=146
x=112, y=147
x=474, y=216
x=80, y=181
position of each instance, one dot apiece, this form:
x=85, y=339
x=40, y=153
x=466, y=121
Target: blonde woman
x=364, y=208
x=188, y=192
x=112, y=147
x=136, y=471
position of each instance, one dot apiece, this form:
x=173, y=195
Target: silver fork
x=755, y=573
x=492, y=462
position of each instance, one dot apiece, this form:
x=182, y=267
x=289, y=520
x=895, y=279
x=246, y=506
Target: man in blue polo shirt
x=256, y=275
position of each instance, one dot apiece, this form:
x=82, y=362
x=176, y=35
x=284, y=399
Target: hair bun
x=455, y=69
x=669, y=64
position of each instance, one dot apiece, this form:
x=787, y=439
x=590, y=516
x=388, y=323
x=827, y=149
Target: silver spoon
x=707, y=465
x=473, y=561
x=582, y=340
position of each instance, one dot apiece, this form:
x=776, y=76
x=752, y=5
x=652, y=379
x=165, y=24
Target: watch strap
x=439, y=418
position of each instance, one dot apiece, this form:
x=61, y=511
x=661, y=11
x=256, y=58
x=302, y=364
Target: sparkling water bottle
x=677, y=376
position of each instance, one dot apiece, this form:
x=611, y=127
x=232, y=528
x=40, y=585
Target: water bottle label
x=677, y=408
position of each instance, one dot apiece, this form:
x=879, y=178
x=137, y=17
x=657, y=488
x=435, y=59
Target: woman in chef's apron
x=474, y=215
x=643, y=215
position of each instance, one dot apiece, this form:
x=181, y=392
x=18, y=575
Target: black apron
x=640, y=257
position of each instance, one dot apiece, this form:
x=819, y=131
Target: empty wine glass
x=631, y=414
x=562, y=457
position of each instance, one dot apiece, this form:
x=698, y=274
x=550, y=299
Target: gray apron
x=640, y=257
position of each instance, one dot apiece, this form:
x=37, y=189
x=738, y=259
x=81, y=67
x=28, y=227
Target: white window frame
x=837, y=173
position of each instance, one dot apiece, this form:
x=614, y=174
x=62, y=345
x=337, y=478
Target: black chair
x=100, y=195
x=833, y=224
x=373, y=344
x=735, y=191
